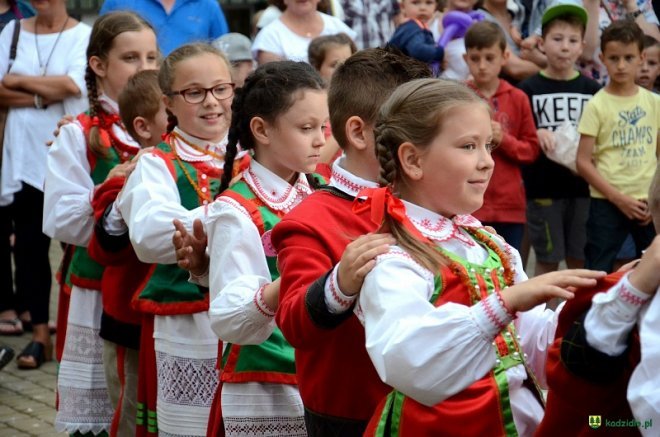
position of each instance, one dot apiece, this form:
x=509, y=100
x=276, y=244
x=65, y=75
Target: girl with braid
x=179, y=180
x=451, y=322
x=280, y=115
x=94, y=147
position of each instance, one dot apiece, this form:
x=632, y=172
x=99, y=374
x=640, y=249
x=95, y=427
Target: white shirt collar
x=190, y=154
x=439, y=228
x=346, y=181
x=274, y=191
x=108, y=105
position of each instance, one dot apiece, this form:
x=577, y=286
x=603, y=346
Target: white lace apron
x=186, y=351
x=84, y=403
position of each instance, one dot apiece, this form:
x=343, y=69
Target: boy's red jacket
x=124, y=272
x=504, y=201
x=335, y=374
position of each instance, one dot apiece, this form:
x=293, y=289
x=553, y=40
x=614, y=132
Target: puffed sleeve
x=149, y=203
x=68, y=214
x=238, y=274
x=428, y=353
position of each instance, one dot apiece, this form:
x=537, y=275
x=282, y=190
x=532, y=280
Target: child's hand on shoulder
x=646, y=276
x=121, y=170
x=142, y=152
x=542, y=288
x=190, y=248
x=359, y=258
x=66, y=119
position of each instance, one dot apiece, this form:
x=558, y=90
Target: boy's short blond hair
x=141, y=97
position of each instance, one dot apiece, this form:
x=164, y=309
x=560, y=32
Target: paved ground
x=27, y=398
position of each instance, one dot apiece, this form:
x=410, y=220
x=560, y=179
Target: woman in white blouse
x=289, y=36
x=45, y=81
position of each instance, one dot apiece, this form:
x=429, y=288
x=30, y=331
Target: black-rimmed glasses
x=221, y=91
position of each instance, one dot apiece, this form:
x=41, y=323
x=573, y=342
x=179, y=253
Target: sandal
x=6, y=354
x=34, y=355
x=27, y=326
x=16, y=324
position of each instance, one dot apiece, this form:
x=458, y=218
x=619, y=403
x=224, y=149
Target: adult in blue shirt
x=176, y=22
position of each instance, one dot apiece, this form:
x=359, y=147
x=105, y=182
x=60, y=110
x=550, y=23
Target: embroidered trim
x=345, y=184
x=334, y=290
x=627, y=296
x=500, y=299
x=235, y=204
x=291, y=197
x=445, y=229
x=265, y=426
x=203, y=150
x=185, y=152
x=490, y=313
x=261, y=304
x=397, y=252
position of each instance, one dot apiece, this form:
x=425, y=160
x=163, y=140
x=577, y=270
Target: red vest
x=483, y=408
x=571, y=399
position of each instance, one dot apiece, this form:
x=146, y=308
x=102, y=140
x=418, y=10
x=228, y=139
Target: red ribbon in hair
x=105, y=120
x=379, y=200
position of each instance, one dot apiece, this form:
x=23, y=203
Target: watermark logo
x=595, y=422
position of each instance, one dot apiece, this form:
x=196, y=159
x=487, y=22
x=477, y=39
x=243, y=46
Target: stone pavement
x=27, y=397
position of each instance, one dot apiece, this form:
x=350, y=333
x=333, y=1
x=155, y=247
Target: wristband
x=634, y=14
x=38, y=102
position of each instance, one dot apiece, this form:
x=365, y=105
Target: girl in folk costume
x=441, y=309
x=280, y=114
x=83, y=156
x=181, y=174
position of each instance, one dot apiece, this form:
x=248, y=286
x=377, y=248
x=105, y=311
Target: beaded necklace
x=204, y=195
x=197, y=148
x=459, y=270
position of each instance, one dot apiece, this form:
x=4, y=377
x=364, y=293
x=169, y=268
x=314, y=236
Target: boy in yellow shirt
x=617, y=154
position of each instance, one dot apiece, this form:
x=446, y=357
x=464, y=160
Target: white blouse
x=431, y=353
x=28, y=128
x=150, y=200
x=277, y=38
x=69, y=188
x=238, y=268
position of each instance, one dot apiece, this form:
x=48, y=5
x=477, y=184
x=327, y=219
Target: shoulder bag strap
x=14, y=44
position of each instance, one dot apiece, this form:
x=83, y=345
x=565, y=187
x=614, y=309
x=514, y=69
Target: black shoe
x=6, y=354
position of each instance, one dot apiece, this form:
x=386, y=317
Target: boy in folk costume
x=143, y=113
x=317, y=290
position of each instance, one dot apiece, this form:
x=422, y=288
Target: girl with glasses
x=182, y=173
x=280, y=115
